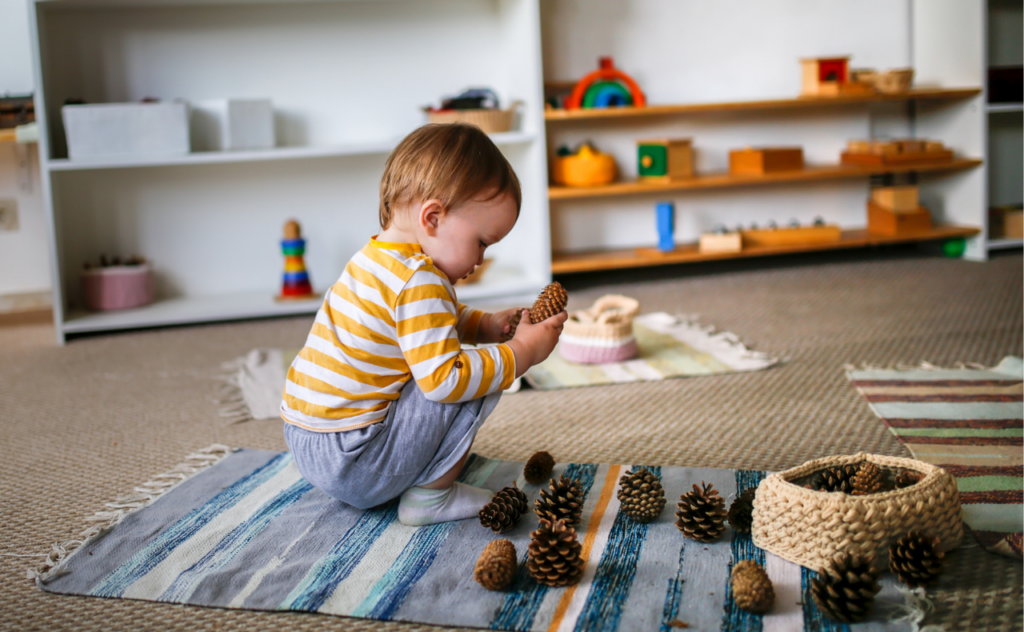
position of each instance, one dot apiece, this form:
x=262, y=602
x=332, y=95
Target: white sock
x=419, y=506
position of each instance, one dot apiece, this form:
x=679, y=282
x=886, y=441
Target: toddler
x=383, y=401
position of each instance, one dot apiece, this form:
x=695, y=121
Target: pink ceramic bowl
x=117, y=287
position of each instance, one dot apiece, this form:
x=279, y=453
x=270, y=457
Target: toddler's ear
x=431, y=213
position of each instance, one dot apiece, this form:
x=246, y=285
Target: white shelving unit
x=347, y=79
x=695, y=54
x=1005, y=124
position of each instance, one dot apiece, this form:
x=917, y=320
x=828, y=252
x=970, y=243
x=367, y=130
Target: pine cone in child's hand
x=552, y=300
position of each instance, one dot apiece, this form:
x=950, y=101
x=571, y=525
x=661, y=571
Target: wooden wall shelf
x=596, y=114
x=690, y=253
x=726, y=180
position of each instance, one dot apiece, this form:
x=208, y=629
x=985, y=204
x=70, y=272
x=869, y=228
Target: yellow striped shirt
x=391, y=317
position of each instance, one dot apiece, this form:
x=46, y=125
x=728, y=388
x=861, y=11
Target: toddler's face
x=464, y=233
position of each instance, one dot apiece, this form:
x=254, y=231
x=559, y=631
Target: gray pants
x=417, y=443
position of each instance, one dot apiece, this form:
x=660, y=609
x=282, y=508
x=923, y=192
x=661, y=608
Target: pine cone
x=554, y=554
x=751, y=588
x=564, y=501
x=845, y=591
x=701, y=513
x=741, y=512
x=916, y=560
x=538, y=468
x=641, y=495
x=552, y=300
x=869, y=479
x=496, y=566
x=504, y=510
x=838, y=478
x=907, y=478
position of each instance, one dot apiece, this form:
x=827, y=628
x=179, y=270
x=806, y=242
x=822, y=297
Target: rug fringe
x=230, y=401
x=723, y=338
x=923, y=366
x=102, y=522
x=915, y=607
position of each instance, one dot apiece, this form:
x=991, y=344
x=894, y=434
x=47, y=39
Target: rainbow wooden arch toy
x=295, y=284
x=605, y=87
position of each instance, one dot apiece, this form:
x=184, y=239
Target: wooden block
x=858, y=146
x=665, y=159
x=789, y=236
x=896, y=199
x=1013, y=225
x=762, y=160
x=882, y=221
x=911, y=145
x=727, y=242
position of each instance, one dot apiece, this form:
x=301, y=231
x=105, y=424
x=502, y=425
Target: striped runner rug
x=968, y=421
x=250, y=533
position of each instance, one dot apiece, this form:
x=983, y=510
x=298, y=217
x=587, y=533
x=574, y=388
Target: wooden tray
x=878, y=160
x=786, y=235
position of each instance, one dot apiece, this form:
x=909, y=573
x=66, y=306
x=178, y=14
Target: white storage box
x=126, y=129
x=230, y=124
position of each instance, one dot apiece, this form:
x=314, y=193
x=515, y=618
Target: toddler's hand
x=532, y=344
x=497, y=327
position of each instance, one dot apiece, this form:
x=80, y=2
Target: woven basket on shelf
x=601, y=333
x=809, y=527
x=894, y=81
x=489, y=120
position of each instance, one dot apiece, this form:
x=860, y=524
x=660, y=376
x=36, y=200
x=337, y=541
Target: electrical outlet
x=9, y=214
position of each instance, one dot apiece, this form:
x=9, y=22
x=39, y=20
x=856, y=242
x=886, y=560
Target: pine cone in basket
x=869, y=479
x=701, y=513
x=496, y=566
x=751, y=588
x=554, y=554
x=564, y=501
x=741, y=512
x=845, y=590
x=916, y=560
x=538, y=468
x=551, y=301
x=906, y=478
x=504, y=510
x=837, y=478
x=641, y=495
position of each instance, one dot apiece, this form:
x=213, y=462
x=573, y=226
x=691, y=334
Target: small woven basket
x=489, y=120
x=809, y=527
x=894, y=81
x=601, y=333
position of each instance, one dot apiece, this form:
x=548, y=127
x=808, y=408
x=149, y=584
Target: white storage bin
x=126, y=129
x=228, y=124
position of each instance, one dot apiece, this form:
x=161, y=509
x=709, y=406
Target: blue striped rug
x=250, y=533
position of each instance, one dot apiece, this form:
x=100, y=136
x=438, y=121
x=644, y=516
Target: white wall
x=24, y=260
x=693, y=51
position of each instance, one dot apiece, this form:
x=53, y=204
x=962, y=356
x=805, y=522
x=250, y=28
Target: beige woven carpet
x=83, y=423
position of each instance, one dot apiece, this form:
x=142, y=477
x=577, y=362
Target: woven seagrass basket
x=491, y=121
x=809, y=527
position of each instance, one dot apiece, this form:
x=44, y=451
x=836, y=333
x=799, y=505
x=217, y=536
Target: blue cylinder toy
x=666, y=214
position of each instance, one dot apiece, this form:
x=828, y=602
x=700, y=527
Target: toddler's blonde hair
x=452, y=163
